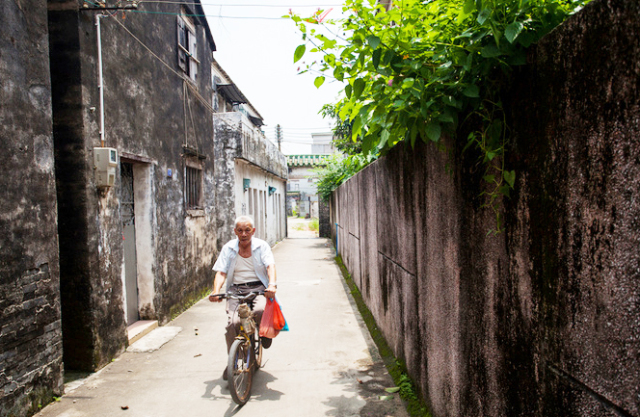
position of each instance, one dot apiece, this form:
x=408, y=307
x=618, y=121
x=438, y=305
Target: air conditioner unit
x=105, y=162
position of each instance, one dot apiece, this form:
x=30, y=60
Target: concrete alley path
x=326, y=365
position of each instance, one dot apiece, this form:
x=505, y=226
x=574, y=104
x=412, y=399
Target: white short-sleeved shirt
x=260, y=252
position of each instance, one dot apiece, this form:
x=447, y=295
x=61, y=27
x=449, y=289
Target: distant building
x=250, y=170
x=322, y=143
x=302, y=192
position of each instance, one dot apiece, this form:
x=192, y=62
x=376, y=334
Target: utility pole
x=279, y=137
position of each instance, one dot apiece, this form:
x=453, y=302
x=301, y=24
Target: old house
x=250, y=171
x=129, y=153
x=131, y=89
x=30, y=333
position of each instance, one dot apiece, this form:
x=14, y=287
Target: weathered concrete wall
x=30, y=330
x=242, y=152
x=151, y=116
x=543, y=319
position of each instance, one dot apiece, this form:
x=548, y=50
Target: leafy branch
x=421, y=69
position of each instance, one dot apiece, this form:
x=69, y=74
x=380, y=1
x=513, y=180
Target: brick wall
x=30, y=330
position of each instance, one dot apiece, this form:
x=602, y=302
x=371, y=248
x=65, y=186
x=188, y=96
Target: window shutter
x=182, y=41
x=193, y=45
x=193, y=50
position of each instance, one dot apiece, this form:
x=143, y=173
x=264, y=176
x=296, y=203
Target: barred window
x=193, y=188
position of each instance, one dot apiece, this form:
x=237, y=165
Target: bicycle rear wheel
x=239, y=372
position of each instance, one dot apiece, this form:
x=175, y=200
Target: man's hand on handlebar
x=215, y=298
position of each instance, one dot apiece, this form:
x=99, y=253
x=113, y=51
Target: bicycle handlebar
x=247, y=297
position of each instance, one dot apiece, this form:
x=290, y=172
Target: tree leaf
x=375, y=58
x=512, y=31
x=490, y=51
x=388, y=56
x=356, y=126
x=469, y=6
x=347, y=90
x=300, y=50
x=392, y=390
x=373, y=41
x=408, y=83
x=318, y=81
x=509, y=177
x=358, y=88
x=434, y=131
x=367, y=144
x=472, y=91
x=384, y=137
x=483, y=15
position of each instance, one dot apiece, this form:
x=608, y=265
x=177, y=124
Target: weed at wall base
x=397, y=369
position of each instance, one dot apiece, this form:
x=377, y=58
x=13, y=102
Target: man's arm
x=271, y=289
x=220, y=278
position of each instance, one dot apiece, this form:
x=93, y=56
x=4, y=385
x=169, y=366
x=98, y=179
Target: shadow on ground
x=369, y=398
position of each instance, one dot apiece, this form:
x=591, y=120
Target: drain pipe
x=100, y=81
x=337, y=239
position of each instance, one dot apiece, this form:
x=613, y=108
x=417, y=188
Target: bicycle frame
x=245, y=354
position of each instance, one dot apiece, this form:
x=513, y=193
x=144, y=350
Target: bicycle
x=245, y=354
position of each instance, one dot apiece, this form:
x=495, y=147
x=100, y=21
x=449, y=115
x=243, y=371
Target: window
x=193, y=188
x=215, y=81
x=187, y=46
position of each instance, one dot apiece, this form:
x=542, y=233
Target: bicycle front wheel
x=239, y=371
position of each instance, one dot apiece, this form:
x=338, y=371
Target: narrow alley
x=326, y=365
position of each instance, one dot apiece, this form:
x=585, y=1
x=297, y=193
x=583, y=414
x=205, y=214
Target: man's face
x=244, y=231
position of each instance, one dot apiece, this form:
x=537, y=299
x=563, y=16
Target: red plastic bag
x=272, y=319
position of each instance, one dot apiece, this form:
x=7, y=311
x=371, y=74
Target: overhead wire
x=204, y=4
x=239, y=5
x=194, y=91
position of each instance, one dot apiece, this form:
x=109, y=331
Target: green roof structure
x=307, y=160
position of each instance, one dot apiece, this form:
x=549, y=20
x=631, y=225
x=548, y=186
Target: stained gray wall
x=543, y=319
x=149, y=115
x=30, y=330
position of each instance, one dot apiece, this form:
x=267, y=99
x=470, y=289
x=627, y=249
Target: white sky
x=257, y=53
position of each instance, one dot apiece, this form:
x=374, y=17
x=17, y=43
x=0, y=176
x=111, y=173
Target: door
x=127, y=213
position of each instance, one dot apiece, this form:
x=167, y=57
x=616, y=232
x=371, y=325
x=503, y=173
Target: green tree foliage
x=337, y=170
x=342, y=138
x=422, y=69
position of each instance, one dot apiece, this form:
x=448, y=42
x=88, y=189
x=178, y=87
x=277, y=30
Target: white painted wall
x=268, y=211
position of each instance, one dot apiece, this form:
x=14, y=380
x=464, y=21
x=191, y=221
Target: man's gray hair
x=244, y=219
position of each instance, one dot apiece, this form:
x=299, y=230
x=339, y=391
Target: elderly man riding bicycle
x=247, y=265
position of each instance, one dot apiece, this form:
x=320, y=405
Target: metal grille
x=126, y=194
x=193, y=187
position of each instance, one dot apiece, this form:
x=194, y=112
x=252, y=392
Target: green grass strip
x=397, y=368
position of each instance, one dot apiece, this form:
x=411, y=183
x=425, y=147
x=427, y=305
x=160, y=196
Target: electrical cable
x=193, y=90
x=280, y=18
x=239, y=5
